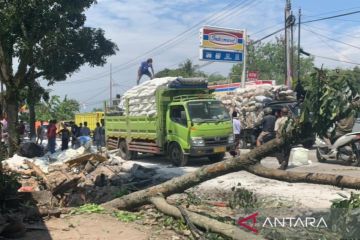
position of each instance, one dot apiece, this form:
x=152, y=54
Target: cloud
x=138, y=26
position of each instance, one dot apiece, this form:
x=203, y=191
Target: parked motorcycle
x=346, y=148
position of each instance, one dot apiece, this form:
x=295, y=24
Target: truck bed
x=135, y=127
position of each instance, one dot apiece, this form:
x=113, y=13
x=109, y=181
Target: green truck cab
x=189, y=122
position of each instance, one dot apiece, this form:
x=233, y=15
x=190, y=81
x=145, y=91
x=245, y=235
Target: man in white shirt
x=236, y=131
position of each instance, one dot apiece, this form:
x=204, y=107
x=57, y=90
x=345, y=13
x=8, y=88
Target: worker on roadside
x=65, y=137
x=281, y=121
x=40, y=131
x=236, y=132
x=51, y=135
x=85, y=131
x=267, y=125
x=144, y=69
x=75, y=133
x=98, y=136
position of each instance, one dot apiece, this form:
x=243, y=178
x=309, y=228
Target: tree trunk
x=231, y=231
x=180, y=184
x=316, y=178
x=32, y=117
x=12, y=108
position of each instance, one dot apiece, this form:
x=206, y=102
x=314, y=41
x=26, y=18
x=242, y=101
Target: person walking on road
x=144, y=69
x=236, y=131
x=51, y=135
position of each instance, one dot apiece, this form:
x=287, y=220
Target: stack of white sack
x=249, y=102
x=142, y=101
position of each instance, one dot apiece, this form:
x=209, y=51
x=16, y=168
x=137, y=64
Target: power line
x=330, y=17
x=322, y=40
x=334, y=59
x=309, y=21
x=325, y=30
x=325, y=13
x=333, y=39
x=166, y=43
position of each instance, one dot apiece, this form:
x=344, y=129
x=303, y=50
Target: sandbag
x=30, y=150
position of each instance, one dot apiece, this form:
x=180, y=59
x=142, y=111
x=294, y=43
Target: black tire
x=318, y=156
x=124, y=152
x=176, y=155
x=216, y=157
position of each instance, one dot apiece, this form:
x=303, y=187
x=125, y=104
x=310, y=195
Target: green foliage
x=268, y=60
x=57, y=109
x=242, y=198
x=216, y=78
x=345, y=215
x=178, y=225
x=87, y=209
x=8, y=185
x=328, y=99
x=125, y=216
x=122, y=192
x=186, y=69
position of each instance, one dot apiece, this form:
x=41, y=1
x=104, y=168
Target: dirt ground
x=96, y=227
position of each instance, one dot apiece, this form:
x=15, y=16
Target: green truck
x=189, y=122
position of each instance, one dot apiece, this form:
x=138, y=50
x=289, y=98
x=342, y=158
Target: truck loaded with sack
x=173, y=116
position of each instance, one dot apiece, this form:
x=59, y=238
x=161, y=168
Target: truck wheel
x=216, y=157
x=176, y=155
x=124, y=152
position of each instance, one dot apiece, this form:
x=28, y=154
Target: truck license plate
x=219, y=149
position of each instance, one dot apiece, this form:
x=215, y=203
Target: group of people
x=271, y=125
x=79, y=135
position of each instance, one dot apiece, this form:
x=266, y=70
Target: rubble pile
x=77, y=177
x=249, y=102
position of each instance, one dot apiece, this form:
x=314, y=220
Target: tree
x=269, y=60
x=185, y=69
x=57, y=109
x=49, y=40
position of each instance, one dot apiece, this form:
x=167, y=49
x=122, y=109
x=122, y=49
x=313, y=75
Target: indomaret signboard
x=221, y=38
x=221, y=44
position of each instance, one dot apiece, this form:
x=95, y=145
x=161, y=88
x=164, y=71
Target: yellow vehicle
x=91, y=118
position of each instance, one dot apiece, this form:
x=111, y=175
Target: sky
x=168, y=31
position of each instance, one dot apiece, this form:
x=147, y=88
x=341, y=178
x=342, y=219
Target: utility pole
x=110, y=105
x=298, y=48
x=292, y=47
x=288, y=79
x=243, y=75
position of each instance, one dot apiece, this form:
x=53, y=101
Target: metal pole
x=288, y=65
x=110, y=105
x=298, y=50
x=243, y=77
x=285, y=45
x=292, y=50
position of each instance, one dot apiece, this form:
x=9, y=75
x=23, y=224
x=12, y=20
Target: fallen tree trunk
x=316, y=178
x=231, y=231
x=180, y=184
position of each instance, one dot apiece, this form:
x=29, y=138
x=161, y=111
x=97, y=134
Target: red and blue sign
x=221, y=38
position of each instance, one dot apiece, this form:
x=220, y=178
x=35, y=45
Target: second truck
x=187, y=122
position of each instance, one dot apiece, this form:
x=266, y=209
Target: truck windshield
x=208, y=111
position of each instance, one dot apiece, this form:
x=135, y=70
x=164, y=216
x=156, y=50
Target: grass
x=87, y=209
x=125, y=216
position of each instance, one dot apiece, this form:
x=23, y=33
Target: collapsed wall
x=249, y=102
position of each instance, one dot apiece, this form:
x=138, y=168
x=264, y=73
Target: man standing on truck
x=144, y=69
x=236, y=131
x=267, y=125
